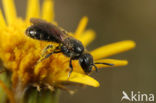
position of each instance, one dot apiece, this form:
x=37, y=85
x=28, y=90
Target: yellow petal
x=10, y=11
x=2, y=21
x=33, y=9
x=87, y=37
x=7, y=91
x=81, y=27
x=115, y=63
x=80, y=78
x=48, y=10
x=113, y=49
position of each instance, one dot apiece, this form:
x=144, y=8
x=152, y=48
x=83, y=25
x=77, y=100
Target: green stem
x=44, y=96
x=5, y=77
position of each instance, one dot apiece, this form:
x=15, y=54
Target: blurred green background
x=113, y=20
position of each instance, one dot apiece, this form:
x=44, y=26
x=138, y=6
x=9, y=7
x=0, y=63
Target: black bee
x=68, y=45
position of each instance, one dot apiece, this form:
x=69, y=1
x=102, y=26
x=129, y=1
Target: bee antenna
x=104, y=63
x=95, y=67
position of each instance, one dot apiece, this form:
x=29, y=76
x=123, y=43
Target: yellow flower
x=20, y=53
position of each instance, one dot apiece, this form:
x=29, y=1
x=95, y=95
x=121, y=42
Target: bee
x=68, y=45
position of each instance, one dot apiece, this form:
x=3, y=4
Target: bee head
x=86, y=62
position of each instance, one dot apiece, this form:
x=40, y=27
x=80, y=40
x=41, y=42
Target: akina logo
x=137, y=96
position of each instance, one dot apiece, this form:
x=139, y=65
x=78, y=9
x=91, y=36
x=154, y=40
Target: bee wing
x=49, y=28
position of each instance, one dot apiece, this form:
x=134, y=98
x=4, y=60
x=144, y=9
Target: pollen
x=20, y=54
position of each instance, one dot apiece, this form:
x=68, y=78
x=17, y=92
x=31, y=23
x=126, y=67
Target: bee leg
x=71, y=67
x=47, y=52
x=46, y=49
x=48, y=55
x=42, y=58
